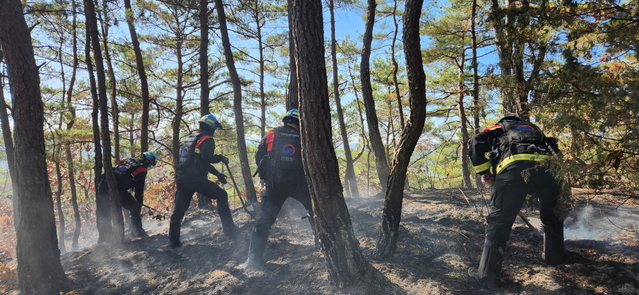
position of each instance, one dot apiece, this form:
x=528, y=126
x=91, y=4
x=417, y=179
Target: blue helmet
x=291, y=116
x=211, y=121
x=151, y=156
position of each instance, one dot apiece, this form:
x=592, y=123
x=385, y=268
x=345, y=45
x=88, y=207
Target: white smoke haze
x=606, y=224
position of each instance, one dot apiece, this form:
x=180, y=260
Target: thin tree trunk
x=116, y=223
x=115, y=111
x=369, y=102
x=292, y=99
x=204, y=57
x=203, y=201
x=350, y=179
x=463, y=154
x=39, y=267
x=392, y=212
x=103, y=220
x=346, y=264
x=260, y=44
x=237, y=105
x=69, y=157
x=144, y=84
x=8, y=145
x=398, y=96
x=58, y=203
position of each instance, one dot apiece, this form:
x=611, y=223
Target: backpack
x=188, y=163
x=285, y=157
x=125, y=167
x=525, y=137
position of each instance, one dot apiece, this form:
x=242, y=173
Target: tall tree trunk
x=346, y=264
x=369, y=102
x=204, y=57
x=113, y=94
x=203, y=201
x=391, y=216
x=39, y=267
x=292, y=99
x=8, y=145
x=69, y=157
x=179, y=103
x=144, y=84
x=58, y=203
x=251, y=195
x=398, y=96
x=350, y=179
x=116, y=223
x=260, y=43
x=463, y=153
x=103, y=221
x=475, y=65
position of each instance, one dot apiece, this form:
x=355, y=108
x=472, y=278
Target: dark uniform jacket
x=488, y=150
x=196, y=158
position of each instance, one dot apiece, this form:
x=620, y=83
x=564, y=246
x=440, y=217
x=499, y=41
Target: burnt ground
x=441, y=235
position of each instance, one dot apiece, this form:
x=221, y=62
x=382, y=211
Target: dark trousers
x=272, y=201
x=183, y=196
x=127, y=201
x=508, y=196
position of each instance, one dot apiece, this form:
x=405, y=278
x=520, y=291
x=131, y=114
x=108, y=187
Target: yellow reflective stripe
x=483, y=167
x=521, y=157
x=197, y=150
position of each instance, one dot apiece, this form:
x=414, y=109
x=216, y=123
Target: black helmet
x=509, y=118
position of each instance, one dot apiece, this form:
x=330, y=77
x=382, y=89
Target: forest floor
x=442, y=233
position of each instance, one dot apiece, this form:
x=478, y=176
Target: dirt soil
x=441, y=236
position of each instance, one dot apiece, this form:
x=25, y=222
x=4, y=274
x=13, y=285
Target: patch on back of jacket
x=521, y=132
x=286, y=159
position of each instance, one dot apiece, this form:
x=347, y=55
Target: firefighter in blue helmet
x=194, y=165
x=129, y=174
x=280, y=167
x=502, y=154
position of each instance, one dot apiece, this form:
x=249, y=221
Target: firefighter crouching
x=515, y=148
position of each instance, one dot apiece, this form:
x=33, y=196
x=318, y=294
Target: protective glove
x=220, y=158
x=222, y=178
x=488, y=178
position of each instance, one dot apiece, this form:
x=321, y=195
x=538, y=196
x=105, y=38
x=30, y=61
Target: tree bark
x=251, y=195
x=103, y=221
x=116, y=223
x=350, y=179
x=391, y=217
x=381, y=162
x=69, y=157
x=113, y=94
x=346, y=264
x=58, y=204
x=144, y=84
x=39, y=267
x=204, y=57
x=292, y=99
x=8, y=145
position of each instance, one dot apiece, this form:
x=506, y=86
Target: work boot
x=136, y=226
x=489, y=272
x=553, y=249
x=256, y=250
x=228, y=227
x=174, y=235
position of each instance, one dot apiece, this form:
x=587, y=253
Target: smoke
x=604, y=223
x=583, y=225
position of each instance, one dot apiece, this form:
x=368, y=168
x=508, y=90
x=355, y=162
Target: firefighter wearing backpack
x=513, y=147
x=129, y=174
x=194, y=165
x=280, y=167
